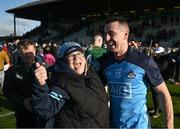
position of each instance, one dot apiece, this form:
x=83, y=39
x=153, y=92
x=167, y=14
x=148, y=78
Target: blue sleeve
x=95, y=64
x=46, y=103
x=153, y=73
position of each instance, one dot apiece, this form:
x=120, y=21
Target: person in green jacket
x=96, y=50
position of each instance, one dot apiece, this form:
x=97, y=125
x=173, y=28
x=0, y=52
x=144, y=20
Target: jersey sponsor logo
x=121, y=90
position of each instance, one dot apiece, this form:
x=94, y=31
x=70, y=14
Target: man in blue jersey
x=127, y=73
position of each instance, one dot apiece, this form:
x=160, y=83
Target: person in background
x=162, y=63
x=54, y=48
x=96, y=50
x=18, y=84
x=76, y=97
x=127, y=73
x=39, y=51
x=48, y=56
x=177, y=68
x=4, y=58
x=12, y=48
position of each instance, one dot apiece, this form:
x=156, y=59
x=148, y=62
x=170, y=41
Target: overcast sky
x=6, y=19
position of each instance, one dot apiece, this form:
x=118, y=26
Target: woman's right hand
x=40, y=74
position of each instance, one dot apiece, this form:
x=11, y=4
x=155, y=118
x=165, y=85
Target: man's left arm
x=166, y=103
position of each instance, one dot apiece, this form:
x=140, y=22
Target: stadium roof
x=42, y=9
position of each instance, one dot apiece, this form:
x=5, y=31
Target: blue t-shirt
x=127, y=81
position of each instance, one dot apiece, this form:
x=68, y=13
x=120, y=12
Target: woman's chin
x=79, y=71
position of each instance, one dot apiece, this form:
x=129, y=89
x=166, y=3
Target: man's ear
x=126, y=35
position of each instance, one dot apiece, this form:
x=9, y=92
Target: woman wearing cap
x=77, y=98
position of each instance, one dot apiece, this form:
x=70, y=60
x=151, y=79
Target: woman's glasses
x=75, y=55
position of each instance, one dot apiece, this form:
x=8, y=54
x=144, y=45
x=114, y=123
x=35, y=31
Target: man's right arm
x=166, y=103
x=46, y=103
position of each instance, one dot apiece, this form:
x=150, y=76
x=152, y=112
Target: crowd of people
x=63, y=86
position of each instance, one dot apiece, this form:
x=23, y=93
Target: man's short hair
x=97, y=35
x=23, y=44
x=119, y=19
x=122, y=20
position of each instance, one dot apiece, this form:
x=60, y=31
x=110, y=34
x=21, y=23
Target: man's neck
x=97, y=45
x=119, y=56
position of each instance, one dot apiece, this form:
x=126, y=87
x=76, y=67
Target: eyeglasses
x=77, y=55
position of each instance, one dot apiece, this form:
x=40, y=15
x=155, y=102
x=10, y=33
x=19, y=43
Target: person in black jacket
x=18, y=83
x=77, y=97
x=177, y=68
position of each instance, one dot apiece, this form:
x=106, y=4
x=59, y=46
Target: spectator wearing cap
x=77, y=96
x=159, y=50
x=4, y=58
x=163, y=62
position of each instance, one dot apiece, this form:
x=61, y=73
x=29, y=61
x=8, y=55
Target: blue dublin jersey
x=127, y=80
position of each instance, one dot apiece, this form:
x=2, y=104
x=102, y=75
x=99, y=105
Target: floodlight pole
x=14, y=25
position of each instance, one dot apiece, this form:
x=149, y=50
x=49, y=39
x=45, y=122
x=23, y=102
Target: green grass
x=9, y=121
x=5, y=107
x=175, y=93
